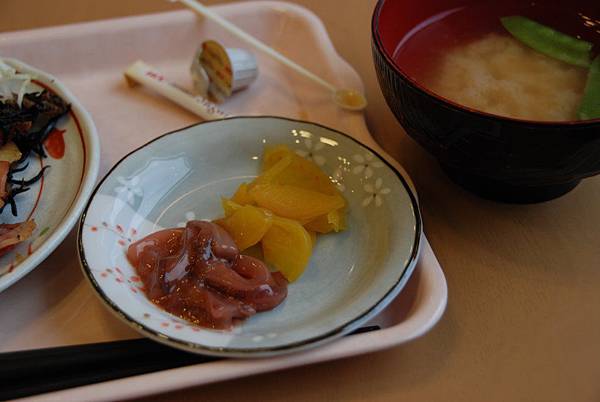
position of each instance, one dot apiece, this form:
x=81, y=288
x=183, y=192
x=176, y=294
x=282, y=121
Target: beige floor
x=523, y=319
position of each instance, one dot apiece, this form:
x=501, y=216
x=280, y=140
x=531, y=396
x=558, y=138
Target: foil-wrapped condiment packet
x=228, y=70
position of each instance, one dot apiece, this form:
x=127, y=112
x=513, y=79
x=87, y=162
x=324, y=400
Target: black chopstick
x=32, y=372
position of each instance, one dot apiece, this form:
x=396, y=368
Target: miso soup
x=467, y=56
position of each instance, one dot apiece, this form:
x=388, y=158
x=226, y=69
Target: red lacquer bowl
x=496, y=157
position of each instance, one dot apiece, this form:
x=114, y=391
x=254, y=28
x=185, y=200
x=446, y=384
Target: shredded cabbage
x=12, y=82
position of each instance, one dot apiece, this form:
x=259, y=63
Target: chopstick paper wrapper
x=141, y=73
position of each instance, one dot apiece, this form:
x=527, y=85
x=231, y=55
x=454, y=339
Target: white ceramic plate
x=56, y=201
x=179, y=176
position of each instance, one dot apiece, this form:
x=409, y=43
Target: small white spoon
x=349, y=99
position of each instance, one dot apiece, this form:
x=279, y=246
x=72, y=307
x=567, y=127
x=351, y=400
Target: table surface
x=522, y=321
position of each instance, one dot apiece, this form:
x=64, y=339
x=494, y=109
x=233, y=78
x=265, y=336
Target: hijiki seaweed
x=27, y=116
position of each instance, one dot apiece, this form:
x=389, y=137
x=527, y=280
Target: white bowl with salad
x=49, y=158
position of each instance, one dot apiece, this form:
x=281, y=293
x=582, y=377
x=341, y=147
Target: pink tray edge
x=433, y=297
